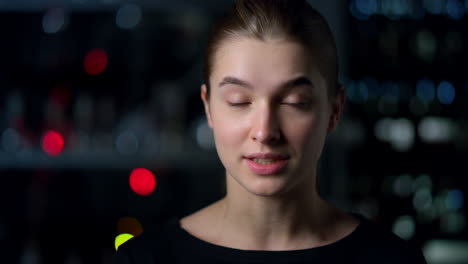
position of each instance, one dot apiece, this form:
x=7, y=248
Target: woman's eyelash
x=238, y=104
x=299, y=105
x=302, y=105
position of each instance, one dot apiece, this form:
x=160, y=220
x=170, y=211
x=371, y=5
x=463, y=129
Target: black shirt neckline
x=201, y=246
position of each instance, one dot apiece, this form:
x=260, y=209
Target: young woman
x=271, y=96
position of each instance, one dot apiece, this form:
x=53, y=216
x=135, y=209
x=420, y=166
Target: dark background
x=398, y=156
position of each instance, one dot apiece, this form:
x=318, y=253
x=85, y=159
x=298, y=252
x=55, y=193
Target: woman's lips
x=266, y=166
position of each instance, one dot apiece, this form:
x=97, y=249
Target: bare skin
x=251, y=111
x=220, y=225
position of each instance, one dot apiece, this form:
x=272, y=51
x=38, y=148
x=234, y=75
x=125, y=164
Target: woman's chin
x=266, y=187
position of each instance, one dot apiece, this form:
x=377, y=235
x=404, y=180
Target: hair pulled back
x=293, y=20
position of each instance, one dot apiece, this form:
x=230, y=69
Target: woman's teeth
x=264, y=161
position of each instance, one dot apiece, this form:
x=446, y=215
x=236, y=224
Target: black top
x=368, y=243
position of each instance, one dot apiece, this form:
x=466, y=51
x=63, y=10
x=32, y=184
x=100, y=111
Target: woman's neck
x=273, y=223
x=246, y=221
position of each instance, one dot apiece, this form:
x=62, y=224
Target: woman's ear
x=338, y=104
x=206, y=103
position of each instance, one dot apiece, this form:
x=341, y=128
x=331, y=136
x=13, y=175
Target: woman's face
x=270, y=114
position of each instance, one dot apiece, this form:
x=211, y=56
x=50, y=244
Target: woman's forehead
x=259, y=62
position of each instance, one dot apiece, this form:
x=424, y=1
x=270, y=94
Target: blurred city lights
x=424, y=45
x=366, y=7
x=402, y=185
x=53, y=143
x=356, y=12
x=395, y=9
x=452, y=222
x=422, y=181
x=425, y=90
x=402, y=134
x=446, y=93
x=455, y=9
x=446, y=251
x=129, y=225
x=422, y=199
x=11, y=140
x=382, y=129
x=142, y=181
x=128, y=16
x=373, y=87
x=399, y=9
x=388, y=102
x=120, y=239
x=404, y=227
x=439, y=203
x=369, y=208
x=454, y=200
x=399, y=132
x=357, y=91
x=435, y=7
x=436, y=130
x=392, y=9
x=95, y=62
x=127, y=143
x=54, y=20
x=14, y=104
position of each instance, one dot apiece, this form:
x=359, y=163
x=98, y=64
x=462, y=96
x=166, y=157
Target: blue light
x=455, y=9
x=351, y=91
x=425, y=90
x=400, y=7
x=373, y=87
x=366, y=7
x=363, y=91
x=454, y=200
x=446, y=93
x=435, y=7
x=354, y=10
x=357, y=91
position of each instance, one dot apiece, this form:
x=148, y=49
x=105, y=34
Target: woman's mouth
x=264, y=161
x=266, y=166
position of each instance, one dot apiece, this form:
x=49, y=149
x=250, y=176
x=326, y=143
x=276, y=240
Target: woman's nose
x=265, y=127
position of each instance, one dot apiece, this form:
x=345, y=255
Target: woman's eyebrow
x=235, y=81
x=299, y=81
x=290, y=84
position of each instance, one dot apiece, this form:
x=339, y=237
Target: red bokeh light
x=95, y=62
x=53, y=143
x=142, y=181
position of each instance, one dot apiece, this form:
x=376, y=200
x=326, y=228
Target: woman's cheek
x=228, y=128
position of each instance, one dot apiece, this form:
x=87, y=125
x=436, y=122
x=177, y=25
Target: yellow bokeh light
x=122, y=238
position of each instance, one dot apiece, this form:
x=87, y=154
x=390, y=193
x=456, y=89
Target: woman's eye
x=300, y=105
x=238, y=104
